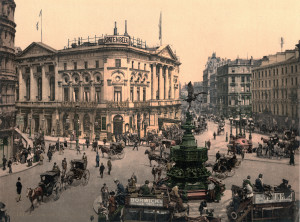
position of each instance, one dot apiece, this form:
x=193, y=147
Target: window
x=243, y=78
x=296, y=81
x=98, y=95
x=144, y=94
x=276, y=71
x=130, y=122
x=51, y=68
x=233, y=71
x=138, y=93
x=248, y=78
x=262, y=83
x=28, y=89
x=97, y=64
x=76, y=95
x=118, y=94
x=131, y=94
x=39, y=89
x=27, y=70
x=65, y=66
x=86, y=65
x=292, y=69
x=103, y=121
x=233, y=79
x=38, y=69
x=52, y=89
x=86, y=94
x=292, y=81
x=282, y=71
x=276, y=82
x=75, y=65
x=144, y=66
x=118, y=62
x=66, y=94
x=285, y=69
x=132, y=64
x=139, y=64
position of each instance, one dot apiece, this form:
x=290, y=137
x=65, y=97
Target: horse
x=153, y=156
x=104, y=149
x=153, y=145
x=33, y=194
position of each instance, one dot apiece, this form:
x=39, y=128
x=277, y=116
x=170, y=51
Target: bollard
x=226, y=136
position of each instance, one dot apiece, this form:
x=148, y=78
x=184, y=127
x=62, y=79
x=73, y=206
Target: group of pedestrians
x=102, y=167
x=156, y=171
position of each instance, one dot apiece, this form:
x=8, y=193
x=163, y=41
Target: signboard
x=146, y=202
x=115, y=39
x=275, y=198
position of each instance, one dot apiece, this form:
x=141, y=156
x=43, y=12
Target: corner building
x=102, y=87
x=7, y=77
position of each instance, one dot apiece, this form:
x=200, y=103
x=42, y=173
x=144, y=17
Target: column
x=33, y=86
x=45, y=86
x=172, y=84
x=154, y=82
x=104, y=89
x=58, y=96
x=22, y=86
x=161, y=83
x=167, y=83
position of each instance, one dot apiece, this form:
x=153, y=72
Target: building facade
x=276, y=89
x=109, y=85
x=234, y=87
x=7, y=77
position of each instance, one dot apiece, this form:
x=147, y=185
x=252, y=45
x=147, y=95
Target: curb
x=20, y=170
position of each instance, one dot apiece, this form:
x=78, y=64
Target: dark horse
x=104, y=149
x=33, y=194
x=153, y=156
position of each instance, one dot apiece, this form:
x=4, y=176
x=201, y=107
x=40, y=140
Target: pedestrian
x=202, y=207
x=64, y=165
x=133, y=177
x=109, y=165
x=218, y=155
x=41, y=159
x=208, y=143
x=78, y=149
x=243, y=153
x=292, y=158
x=214, y=135
x=101, y=169
x=19, y=189
x=57, y=144
x=136, y=145
x=104, y=194
x=154, y=173
x=97, y=159
x=4, y=160
x=84, y=158
x=9, y=163
x=65, y=143
x=259, y=183
x=159, y=171
x=211, y=191
x=87, y=142
x=49, y=154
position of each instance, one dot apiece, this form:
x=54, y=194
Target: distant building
x=7, y=77
x=276, y=89
x=101, y=87
x=234, y=87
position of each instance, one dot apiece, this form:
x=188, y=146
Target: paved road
x=76, y=203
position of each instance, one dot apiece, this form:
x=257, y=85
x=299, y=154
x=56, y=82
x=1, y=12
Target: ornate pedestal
x=189, y=172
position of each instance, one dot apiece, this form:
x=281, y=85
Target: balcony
x=117, y=105
x=80, y=104
x=141, y=104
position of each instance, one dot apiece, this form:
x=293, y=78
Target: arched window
x=86, y=123
x=39, y=89
x=52, y=89
x=28, y=89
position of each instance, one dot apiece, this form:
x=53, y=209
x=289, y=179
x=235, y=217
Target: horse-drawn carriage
x=224, y=167
x=78, y=171
x=238, y=144
x=115, y=149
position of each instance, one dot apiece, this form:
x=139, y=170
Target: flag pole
x=41, y=25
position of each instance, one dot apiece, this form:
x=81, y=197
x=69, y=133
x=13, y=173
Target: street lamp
x=250, y=130
x=30, y=127
x=230, y=119
x=77, y=126
x=43, y=126
x=244, y=124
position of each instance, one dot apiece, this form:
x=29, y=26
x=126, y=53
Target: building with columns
x=276, y=90
x=7, y=77
x=102, y=86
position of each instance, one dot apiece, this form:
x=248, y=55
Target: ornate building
x=7, y=76
x=105, y=86
x=276, y=89
x=234, y=87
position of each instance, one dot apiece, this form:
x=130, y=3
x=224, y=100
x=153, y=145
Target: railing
x=81, y=104
x=113, y=104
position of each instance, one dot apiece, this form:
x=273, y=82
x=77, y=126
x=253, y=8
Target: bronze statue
x=191, y=95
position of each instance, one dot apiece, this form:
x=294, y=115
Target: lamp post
x=244, y=124
x=43, y=126
x=230, y=119
x=240, y=121
x=77, y=126
x=30, y=127
x=250, y=128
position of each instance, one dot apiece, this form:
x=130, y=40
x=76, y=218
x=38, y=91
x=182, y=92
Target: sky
x=194, y=28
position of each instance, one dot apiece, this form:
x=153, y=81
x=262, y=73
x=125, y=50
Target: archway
x=118, y=125
x=86, y=124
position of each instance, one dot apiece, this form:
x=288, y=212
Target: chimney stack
x=115, y=29
x=126, y=34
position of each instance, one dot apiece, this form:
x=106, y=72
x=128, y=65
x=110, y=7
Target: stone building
x=101, y=86
x=234, y=87
x=276, y=89
x=7, y=77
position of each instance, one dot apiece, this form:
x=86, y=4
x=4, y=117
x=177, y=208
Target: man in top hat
x=145, y=190
x=259, y=183
x=104, y=194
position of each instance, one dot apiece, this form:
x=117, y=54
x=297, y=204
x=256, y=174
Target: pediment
x=37, y=49
x=167, y=53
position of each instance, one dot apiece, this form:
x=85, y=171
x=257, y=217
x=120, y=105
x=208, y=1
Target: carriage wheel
x=233, y=215
x=121, y=154
x=69, y=179
x=85, y=177
x=111, y=153
x=56, y=191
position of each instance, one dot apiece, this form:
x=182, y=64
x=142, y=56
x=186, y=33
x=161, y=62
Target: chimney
x=126, y=34
x=115, y=29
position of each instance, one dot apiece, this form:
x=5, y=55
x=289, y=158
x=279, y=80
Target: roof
x=46, y=48
x=77, y=160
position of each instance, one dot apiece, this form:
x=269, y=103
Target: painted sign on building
x=115, y=40
x=146, y=202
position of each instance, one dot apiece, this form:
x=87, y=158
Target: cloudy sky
x=194, y=28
